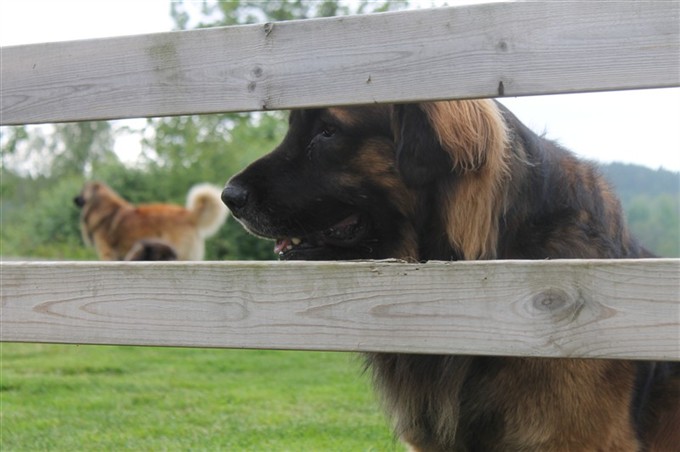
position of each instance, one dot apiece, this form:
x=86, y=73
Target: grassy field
x=80, y=398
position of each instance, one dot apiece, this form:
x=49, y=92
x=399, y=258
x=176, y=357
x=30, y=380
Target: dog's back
x=171, y=223
x=541, y=203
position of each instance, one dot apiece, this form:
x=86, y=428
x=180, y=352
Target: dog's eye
x=328, y=131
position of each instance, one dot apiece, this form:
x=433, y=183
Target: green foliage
x=45, y=226
x=651, y=200
x=60, y=150
x=64, y=397
x=87, y=145
x=656, y=221
x=210, y=148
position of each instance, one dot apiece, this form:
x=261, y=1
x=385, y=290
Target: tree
x=59, y=150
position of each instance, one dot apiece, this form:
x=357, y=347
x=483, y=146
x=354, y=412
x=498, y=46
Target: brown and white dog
x=462, y=180
x=155, y=231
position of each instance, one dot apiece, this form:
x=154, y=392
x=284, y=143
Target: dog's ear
x=420, y=157
x=437, y=139
x=93, y=189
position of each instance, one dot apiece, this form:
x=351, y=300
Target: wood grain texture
x=488, y=50
x=604, y=308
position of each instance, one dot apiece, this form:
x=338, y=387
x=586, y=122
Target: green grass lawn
x=73, y=398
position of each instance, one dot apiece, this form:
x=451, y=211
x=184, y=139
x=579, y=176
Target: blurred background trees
x=651, y=200
x=43, y=167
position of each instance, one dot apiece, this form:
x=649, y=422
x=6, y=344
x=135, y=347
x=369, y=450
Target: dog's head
x=95, y=192
x=97, y=202
x=81, y=199
x=88, y=193
x=330, y=190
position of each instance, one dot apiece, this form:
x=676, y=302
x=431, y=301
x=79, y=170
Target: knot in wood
x=257, y=71
x=558, y=305
x=551, y=300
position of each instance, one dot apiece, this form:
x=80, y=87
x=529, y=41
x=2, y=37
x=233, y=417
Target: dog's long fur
x=451, y=181
x=119, y=230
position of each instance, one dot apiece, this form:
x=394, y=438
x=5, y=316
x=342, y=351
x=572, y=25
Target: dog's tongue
x=349, y=221
x=282, y=244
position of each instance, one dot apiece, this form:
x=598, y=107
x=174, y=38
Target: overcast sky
x=641, y=127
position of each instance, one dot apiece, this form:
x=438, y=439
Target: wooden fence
x=603, y=308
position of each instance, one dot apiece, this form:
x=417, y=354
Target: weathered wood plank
x=609, y=308
x=473, y=51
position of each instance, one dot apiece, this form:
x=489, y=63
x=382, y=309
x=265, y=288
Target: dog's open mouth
x=344, y=234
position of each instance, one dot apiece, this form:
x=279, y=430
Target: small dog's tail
x=205, y=203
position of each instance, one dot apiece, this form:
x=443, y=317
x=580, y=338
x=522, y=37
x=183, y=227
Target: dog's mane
x=475, y=136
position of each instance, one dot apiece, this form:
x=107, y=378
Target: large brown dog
x=117, y=229
x=462, y=180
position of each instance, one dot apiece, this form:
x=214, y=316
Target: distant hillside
x=633, y=180
x=651, y=200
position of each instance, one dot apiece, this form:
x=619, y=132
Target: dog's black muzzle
x=235, y=197
x=79, y=201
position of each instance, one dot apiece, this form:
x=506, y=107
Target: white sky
x=641, y=127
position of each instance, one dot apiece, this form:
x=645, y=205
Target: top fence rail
x=490, y=50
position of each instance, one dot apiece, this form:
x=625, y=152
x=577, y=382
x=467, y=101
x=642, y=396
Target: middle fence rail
x=561, y=308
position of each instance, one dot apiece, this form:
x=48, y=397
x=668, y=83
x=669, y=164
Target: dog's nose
x=79, y=201
x=235, y=196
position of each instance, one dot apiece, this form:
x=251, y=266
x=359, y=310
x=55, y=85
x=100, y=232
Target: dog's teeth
x=296, y=241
